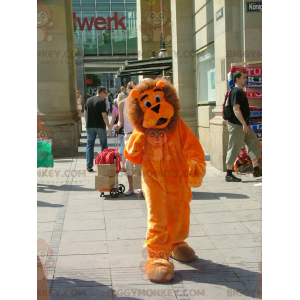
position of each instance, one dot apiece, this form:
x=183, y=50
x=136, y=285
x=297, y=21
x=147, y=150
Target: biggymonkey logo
x=157, y=17
x=45, y=255
x=44, y=23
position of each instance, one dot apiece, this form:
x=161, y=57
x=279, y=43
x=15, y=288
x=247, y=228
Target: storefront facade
x=204, y=38
x=105, y=35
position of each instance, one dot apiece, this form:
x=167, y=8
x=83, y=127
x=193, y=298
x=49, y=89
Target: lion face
x=157, y=111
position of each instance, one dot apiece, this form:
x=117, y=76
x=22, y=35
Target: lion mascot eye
x=161, y=134
x=147, y=103
x=152, y=134
x=157, y=98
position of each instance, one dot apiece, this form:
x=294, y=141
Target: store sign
x=219, y=14
x=97, y=22
x=89, y=81
x=254, y=6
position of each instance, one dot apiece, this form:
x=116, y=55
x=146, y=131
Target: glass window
x=130, y=6
x=90, y=42
x=103, y=6
x=132, y=42
x=76, y=7
x=104, y=42
x=120, y=15
x=84, y=1
x=104, y=15
x=88, y=6
x=87, y=20
x=130, y=21
x=75, y=1
x=119, y=41
x=117, y=6
x=206, y=87
x=116, y=1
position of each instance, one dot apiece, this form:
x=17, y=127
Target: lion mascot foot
x=183, y=252
x=159, y=270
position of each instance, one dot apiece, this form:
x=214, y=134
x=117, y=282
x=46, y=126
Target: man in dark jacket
x=96, y=121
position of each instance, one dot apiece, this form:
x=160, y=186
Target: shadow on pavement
x=46, y=204
x=236, y=279
x=43, y=188
x=217, y=196
x=71, y=288
x=49, y=188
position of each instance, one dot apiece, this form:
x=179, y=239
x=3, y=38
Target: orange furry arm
x=134, y=147
x=194, y=154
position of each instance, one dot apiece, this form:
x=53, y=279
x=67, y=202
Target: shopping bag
x=44, y=154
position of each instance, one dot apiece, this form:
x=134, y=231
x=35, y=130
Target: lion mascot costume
x=172, y=161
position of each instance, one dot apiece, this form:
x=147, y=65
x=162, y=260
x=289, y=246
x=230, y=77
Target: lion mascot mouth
x=157, y=111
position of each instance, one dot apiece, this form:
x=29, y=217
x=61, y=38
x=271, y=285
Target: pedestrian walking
x=239, y=130
x=128, y=128
x=96, y=119
x=120, y=132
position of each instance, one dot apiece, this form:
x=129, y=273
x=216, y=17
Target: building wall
x=204, y=39
x=236, y=36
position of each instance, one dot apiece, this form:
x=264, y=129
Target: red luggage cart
x=115, y=189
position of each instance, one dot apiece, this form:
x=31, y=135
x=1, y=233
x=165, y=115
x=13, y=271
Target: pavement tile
x=128, y=233
x=235, y=241
x=123, y=213
x=46, y=226
x=115, y=224
x=83, y=236
x=200, y=242
x=209, y=207
x=249, y=215
x=87, y=215
x=70, y=248
x=215, y=217
x=126, y=260
x=250, y=254
x=253, y=226
x=46, y=217
x=224, y=228
x=82, y=208
x=84, y=196
x=244, y=205
x=83, y=225
x=196, y=230
x=126, y=246
x=74, y=202
x=121, y=204
x=86, y=261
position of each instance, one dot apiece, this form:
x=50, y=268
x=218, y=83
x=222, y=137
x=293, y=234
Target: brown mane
x=135, y=114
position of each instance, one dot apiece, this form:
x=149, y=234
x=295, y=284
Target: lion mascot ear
x=134, y=93
x=160, y=83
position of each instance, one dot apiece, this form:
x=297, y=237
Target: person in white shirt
x=128, y=128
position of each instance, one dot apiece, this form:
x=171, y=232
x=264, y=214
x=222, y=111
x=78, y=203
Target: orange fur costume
x=172, y=162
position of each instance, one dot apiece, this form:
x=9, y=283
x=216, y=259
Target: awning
x=152, y=66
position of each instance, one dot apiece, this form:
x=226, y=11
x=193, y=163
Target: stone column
x=149, y=30
x=184, y=66
x=56, y=75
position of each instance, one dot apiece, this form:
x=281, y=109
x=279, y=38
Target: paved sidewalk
x=94, y=244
